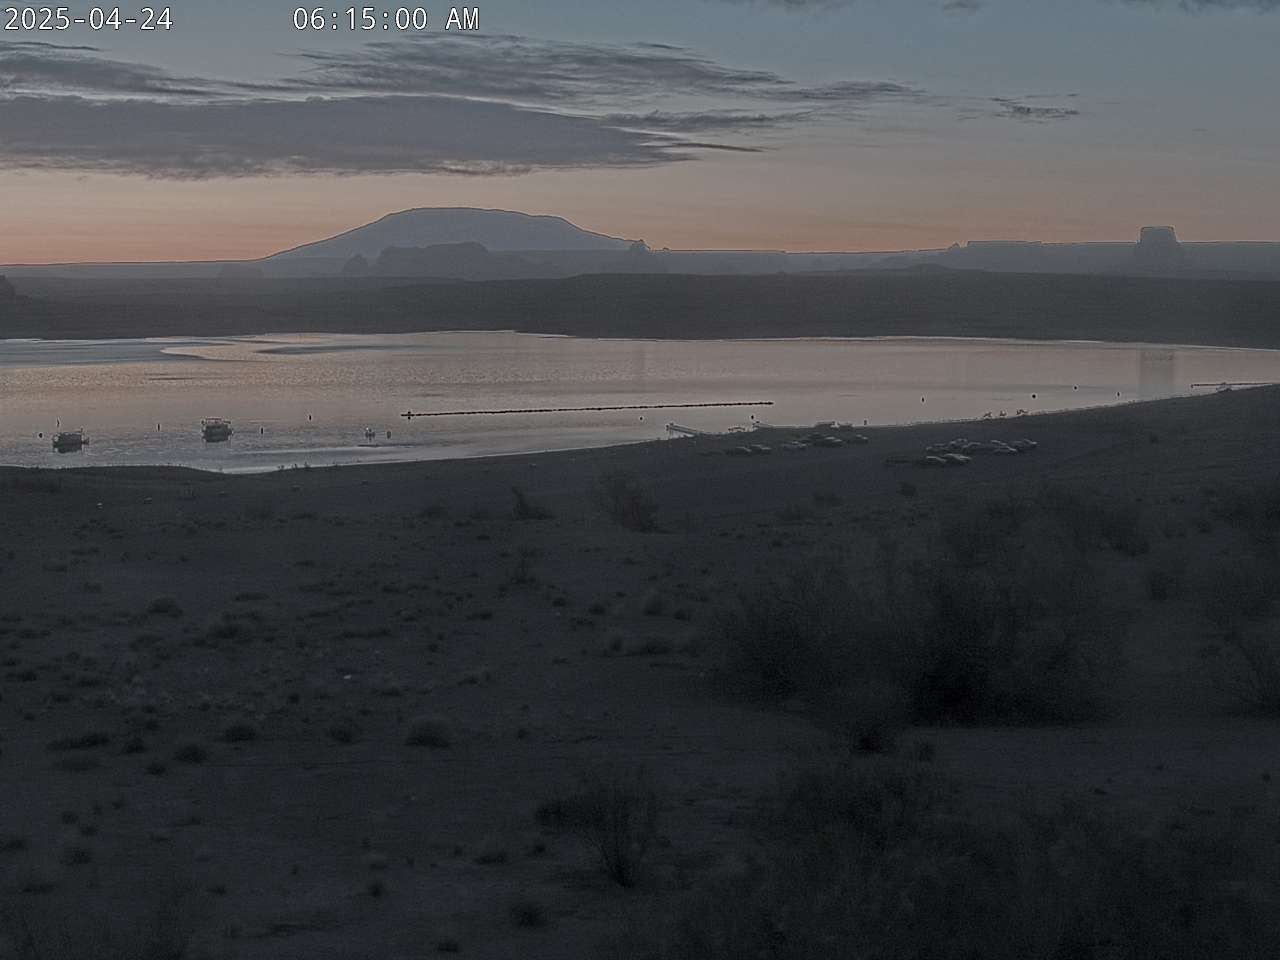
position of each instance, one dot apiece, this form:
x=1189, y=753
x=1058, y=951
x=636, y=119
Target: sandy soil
x=329, y=609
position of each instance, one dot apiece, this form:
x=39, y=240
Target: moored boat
x=215, y=429
x=68, y=441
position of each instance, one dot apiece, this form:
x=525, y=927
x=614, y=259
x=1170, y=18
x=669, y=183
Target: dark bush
x=1027, y=642
x=874, y=859
x=526, y=509
x=616, y=814
x=628, y=504
x=1096, y=519
x=240, y=733
x=1256, y=510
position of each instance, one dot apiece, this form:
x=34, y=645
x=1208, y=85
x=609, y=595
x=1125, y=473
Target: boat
x=215, y=429
x=676, y=429
x=69, y=441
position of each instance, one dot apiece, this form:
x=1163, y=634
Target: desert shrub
x=1165, y=580
x=616, y=814
x=975, y=534
x=1096, y=519
x=877, y=859
x=569, y=813
x=526, y=509
x=429, y=732
x=36, y=481
x=240, y=733
x=522, y=568
x=1255, y=681
x=1256, y=509
x=192, y=753
x=225, y=628
x=1239, y=598
x=784, y=637
x=654, y=605
x=32, y=929
x=868, y=715
x=260, y=510
x=165, y=606
x=344, y=732
x=85, y=741
x=1239, y=589
x=627, y=503
x=528, y=913
x=1028, y=641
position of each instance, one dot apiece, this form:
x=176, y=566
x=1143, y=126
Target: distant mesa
x=6, y=289
x=1159, y=247
x=445, y=261
x=463, y=243
x=474, y=261
x=497, y=230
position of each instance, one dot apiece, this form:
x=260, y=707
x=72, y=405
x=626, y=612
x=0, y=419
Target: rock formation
x=1158, y=247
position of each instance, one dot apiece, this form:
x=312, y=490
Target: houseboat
x=215, y=429
x=69, y=441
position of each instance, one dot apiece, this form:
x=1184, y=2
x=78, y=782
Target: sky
x=729, y=124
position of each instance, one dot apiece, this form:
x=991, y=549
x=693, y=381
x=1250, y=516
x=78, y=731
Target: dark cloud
x=1018, y=110
x=41, y=67
x=476, y=105
x=557, y=72
x=319, y=135
x=1195, y=6
x=707, y=121
x=794, y=4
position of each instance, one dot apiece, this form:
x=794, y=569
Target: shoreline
x=1013, y=341
x=775, y=433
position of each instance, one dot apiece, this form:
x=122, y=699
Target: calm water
x=307, y=399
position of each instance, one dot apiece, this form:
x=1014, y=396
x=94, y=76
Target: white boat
x=678, y=430
x=215, y=429
x=69, y=441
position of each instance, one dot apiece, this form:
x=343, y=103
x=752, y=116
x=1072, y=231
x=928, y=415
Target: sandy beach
x=314, y=713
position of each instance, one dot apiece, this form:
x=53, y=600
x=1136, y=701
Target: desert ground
x=354, y=712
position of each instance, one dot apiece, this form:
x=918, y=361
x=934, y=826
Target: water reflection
x=308, y=399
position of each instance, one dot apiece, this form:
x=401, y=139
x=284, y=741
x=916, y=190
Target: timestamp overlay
x=46, y=20
x=379, y=19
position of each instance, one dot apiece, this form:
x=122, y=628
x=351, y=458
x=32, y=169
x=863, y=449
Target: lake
x=308, y=399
